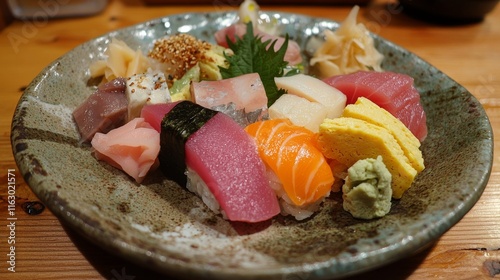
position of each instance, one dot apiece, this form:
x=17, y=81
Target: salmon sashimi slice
x=289, y=151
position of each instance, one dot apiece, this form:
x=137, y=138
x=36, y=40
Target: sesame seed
x=180, y=52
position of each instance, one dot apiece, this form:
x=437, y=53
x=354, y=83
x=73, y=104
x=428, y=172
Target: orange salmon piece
x=290, y=152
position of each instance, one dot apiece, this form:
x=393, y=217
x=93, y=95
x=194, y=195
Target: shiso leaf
x=252, y=55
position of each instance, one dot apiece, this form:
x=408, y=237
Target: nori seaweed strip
x=176, y=127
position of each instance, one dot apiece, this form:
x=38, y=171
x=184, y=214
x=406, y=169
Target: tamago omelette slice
x=366, y=130
x=367, y=110
x=348, y=140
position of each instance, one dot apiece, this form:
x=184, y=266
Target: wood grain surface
x=46, y=249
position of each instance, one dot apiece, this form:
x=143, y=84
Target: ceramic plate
x=166, y=228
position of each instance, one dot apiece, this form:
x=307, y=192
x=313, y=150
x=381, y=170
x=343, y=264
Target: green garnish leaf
x=251, y=55
x=293, y=71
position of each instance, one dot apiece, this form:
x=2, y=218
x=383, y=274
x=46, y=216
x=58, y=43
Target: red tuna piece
x=226, y=159
x=394, y=92
x=103, y=110
x=154, y=113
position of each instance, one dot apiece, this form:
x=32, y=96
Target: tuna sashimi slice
x=103, y=110
x=394, y=92
x=154, y=113
x=226, y=159
x=292, y=55
x=133, y=148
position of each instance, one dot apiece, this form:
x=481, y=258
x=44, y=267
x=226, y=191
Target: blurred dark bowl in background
x=449, y=11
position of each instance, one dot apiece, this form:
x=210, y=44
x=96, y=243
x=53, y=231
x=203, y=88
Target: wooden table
x=46, y=249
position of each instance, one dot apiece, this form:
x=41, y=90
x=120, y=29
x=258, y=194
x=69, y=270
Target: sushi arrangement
x=253, y=134
x=299, y=172
x=209, y=153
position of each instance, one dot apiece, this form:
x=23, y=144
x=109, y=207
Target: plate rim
x=76, y=220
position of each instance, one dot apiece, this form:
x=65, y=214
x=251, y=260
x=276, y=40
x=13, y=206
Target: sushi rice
x=286, y=204
x=197, y=186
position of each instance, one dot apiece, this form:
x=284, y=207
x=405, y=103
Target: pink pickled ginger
x=133, y=148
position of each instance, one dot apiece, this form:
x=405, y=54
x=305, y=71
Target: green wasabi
x=367, y=189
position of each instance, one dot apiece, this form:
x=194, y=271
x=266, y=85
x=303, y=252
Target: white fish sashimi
x=314, y=90
x=299, y=111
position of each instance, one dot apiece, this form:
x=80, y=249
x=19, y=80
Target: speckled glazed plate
x=168, y=229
